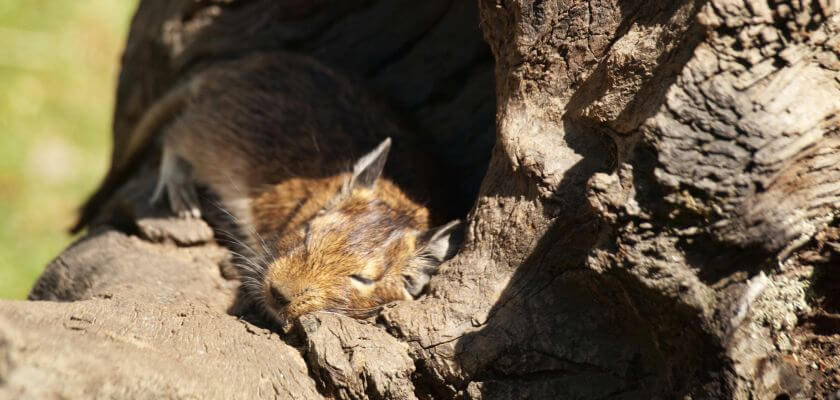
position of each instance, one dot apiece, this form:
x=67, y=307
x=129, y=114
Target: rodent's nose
x=277, y=296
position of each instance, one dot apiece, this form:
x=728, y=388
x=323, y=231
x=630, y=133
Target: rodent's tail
x=155, y=118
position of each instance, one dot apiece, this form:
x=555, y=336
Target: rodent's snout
x=286, y=300
x=277, y=296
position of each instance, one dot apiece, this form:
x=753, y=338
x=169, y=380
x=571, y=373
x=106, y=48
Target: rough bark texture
x=657, y=218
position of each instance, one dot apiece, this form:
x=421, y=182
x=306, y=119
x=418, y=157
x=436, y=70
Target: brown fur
x=275, y=137
x=371, y=234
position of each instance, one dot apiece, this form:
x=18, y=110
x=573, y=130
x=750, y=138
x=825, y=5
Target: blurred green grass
x=59, y=61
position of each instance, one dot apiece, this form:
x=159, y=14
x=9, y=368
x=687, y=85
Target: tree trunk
x=656, y=219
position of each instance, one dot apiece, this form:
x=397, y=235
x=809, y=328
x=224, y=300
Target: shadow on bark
x=565, y=327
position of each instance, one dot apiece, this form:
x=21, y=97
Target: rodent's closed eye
x=361, y=279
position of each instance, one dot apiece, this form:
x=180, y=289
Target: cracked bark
x=656, y=219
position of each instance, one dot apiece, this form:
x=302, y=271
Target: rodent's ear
x=441, y=243
x=436, y=246
x=368, y=169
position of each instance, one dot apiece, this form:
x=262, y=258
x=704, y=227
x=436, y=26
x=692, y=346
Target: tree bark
x=656, y=219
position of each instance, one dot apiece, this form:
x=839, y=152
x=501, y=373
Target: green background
x=59, y=61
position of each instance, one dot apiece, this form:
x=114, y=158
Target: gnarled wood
x=657, y=218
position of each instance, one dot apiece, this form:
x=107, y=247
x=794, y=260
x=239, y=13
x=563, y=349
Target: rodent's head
x=367, y=247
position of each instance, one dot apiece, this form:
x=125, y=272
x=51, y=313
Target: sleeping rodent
x=295, y=153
